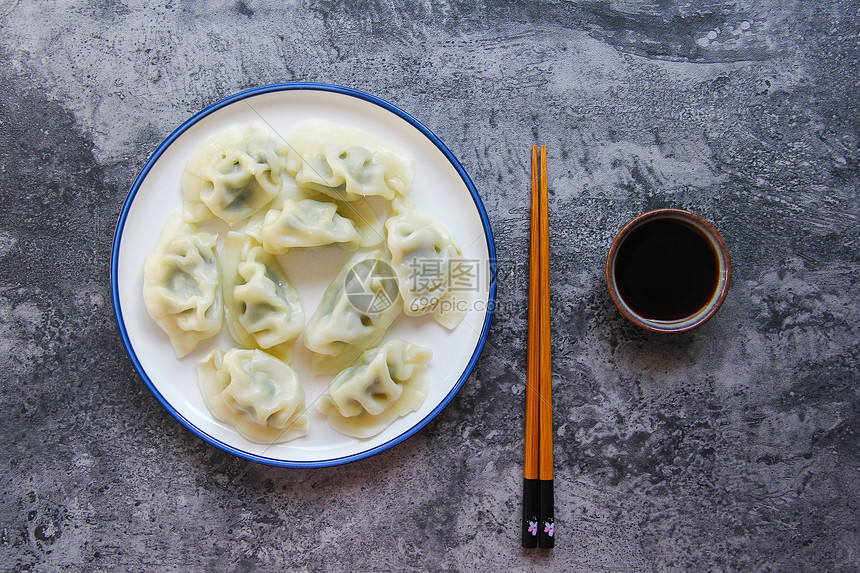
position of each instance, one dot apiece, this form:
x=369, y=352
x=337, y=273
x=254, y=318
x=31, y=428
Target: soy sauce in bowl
x=666, y=270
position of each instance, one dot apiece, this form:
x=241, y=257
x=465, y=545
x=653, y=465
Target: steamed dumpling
x=181, y=288
x=387, y=382
x=262, y=307
x=346, y=163
x=257, y=394
x=309, y=221
x=234, y=174
x=356, y=310
x=424, y=256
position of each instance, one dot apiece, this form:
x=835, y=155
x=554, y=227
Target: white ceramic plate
x=440, y=187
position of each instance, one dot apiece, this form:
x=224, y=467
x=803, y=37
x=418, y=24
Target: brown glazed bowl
x=724, y=273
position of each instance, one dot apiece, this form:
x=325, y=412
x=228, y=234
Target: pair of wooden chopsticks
x=538, y=512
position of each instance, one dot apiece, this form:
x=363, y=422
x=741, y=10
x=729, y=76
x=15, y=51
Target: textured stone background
x=734, y=448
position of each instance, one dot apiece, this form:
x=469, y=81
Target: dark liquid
x=666, y=270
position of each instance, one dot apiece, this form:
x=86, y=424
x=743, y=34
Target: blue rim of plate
x=312, y=86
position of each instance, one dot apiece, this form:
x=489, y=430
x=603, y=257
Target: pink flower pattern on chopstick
x=533, y=527
x=549, y=528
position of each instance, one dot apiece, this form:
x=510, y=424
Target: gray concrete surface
x=733, y=448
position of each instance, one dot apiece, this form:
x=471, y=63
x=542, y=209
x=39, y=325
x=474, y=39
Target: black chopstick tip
x=531, y=513
x=546, y=527
x=547, y=534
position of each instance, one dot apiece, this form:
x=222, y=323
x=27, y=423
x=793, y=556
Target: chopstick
x=531, y=469
x=538, y=526
x=547, y=511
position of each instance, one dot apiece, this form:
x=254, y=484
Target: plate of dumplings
x=303, y=275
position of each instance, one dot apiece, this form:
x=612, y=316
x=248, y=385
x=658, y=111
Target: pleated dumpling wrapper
x=181, y=285
x=357, y=309
x=309, y=220
x=386, y=383
x=255, y=393
x=346, y=163
x=262, y=307
x=432, y=274
x=234, y=174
